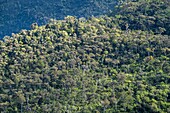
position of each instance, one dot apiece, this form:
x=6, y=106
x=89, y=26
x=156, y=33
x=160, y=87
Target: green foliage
x=150, y=15
x=79, y=65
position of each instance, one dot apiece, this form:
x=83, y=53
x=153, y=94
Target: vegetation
x=84, y=66
x=20, y=14
x=150, y=15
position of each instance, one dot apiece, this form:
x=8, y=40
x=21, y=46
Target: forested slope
x=150, y=15
x=83, y=66
x=19, y=14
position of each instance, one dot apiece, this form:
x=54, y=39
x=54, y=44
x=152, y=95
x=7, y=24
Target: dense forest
x=114, y=63
x=20, y=14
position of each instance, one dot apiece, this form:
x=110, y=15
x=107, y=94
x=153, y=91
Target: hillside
x=150, y=15
x=79, y=65
x=20, y=14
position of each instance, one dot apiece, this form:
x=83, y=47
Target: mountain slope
x=83, y=66
x=150, y=15
x=18, y=14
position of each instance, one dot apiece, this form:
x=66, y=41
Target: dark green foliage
x=84, y=66
x=150, y=15
x=19, y=14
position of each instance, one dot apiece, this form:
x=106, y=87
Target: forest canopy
x=105, y=64
x=150, y=15
x=20, y=14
